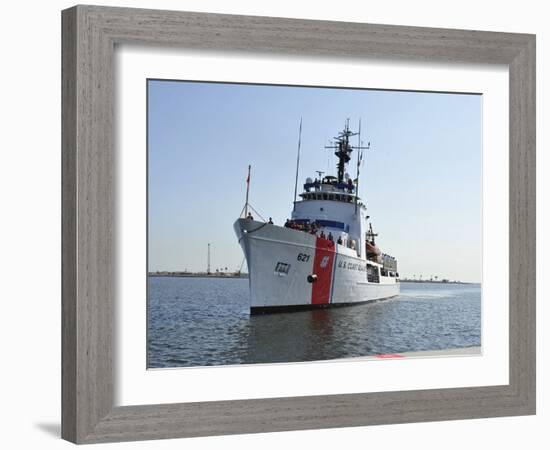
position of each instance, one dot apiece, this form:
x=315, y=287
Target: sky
x=421, y=178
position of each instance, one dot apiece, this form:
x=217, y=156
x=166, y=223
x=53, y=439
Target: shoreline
x=437, y=282
x=232, y=276
x=197, y=275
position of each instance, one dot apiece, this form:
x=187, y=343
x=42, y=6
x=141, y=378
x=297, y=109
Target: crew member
x=249, y=217
x=270, y=221
x=313, y=229
x=340, y=240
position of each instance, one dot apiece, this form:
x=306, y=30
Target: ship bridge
x=334, y=211
x=330, y=189
x=330, y=204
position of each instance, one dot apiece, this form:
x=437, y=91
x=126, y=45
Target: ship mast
x=298, y=163
x=343, y=149
x=247, y=191
x=359, y=158
x=360, y=149
x=371, y=234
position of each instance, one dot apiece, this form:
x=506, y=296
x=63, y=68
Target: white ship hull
x=280, y=261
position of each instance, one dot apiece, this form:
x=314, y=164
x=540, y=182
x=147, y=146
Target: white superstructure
x=325, y=255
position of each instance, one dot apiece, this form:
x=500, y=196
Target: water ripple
x=205, y=321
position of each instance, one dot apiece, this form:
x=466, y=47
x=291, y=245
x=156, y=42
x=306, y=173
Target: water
x=206, y=321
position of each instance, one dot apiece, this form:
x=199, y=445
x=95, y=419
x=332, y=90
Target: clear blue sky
x=421, y=179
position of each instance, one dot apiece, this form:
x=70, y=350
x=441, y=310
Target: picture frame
x=89, y=37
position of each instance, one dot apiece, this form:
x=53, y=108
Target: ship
x=326, y=254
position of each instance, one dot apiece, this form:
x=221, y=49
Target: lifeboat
x=372, y=249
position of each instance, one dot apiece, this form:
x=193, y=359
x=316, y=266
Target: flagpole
x=247, y=190
x=297, y=163
x=359, y=157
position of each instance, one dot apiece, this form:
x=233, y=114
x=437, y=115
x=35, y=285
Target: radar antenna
x=343, y=149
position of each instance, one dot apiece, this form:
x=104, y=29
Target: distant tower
x=208, y=261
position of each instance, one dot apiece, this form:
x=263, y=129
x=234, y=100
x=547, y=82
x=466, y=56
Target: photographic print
x=302, y=223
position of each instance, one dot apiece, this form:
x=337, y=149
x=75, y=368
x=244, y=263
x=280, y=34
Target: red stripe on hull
x=322, y=267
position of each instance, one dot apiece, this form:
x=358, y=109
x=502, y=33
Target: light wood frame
x=89, y=37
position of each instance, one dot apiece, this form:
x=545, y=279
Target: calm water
x=205, y=321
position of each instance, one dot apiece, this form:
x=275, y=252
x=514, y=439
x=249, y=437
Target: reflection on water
x=205, y=321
